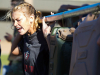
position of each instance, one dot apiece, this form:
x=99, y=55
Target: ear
x=31, y=18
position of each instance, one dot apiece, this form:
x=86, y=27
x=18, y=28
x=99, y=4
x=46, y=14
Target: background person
x=15, y=61
x=67, y=22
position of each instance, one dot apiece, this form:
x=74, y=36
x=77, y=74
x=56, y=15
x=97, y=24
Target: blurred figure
x=66, y=22
x=8, y=36
x=66, y=47
x=68, y=7
x=0, y=56
x=0, y=48
x=82, y=17
x=15, y=61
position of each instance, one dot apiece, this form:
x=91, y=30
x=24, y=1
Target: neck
x=32, y=30
x=30, y=33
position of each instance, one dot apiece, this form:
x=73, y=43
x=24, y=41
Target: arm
x=14, y=47
x=46, y=31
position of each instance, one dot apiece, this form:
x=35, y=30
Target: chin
x=21, y=33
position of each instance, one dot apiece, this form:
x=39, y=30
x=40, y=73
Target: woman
x=30, y=40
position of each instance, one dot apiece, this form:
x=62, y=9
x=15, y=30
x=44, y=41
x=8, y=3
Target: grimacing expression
x=20, y=22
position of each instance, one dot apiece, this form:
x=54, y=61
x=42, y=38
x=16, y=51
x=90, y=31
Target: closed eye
x=18, y=20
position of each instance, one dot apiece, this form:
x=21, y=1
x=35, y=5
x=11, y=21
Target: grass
x=4, y=61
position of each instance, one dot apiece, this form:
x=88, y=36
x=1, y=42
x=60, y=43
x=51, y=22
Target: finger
x=52, y=13
x=44, y=24
x=43, y=20
x=7, y=33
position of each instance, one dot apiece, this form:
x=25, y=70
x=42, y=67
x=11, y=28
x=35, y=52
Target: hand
x=8, y=37
x=52, y=13
x=46, y=29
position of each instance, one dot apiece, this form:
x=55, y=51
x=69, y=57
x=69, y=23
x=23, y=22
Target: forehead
x=17, y=14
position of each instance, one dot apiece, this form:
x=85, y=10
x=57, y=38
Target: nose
x=15, y=23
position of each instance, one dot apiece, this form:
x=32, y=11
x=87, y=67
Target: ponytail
x=37, y=17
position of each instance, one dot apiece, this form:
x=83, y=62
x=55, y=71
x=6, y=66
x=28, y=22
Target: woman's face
x=20, y=22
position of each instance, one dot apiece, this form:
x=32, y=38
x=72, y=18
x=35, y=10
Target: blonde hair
x=29, y=10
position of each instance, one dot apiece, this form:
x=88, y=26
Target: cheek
x=26, y=26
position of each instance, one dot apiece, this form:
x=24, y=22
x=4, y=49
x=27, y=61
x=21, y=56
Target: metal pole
x=72, y=13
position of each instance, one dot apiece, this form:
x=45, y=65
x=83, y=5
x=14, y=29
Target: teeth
x=18, y=28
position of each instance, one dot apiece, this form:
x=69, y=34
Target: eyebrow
x=16, y=18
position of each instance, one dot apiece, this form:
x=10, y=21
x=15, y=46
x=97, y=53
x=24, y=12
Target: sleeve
x=20, y=45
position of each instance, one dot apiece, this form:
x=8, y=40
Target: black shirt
x=35, y=54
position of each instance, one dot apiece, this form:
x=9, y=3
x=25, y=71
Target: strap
x=63, y=19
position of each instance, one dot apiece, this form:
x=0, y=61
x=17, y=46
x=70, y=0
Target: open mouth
x=19, y=29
